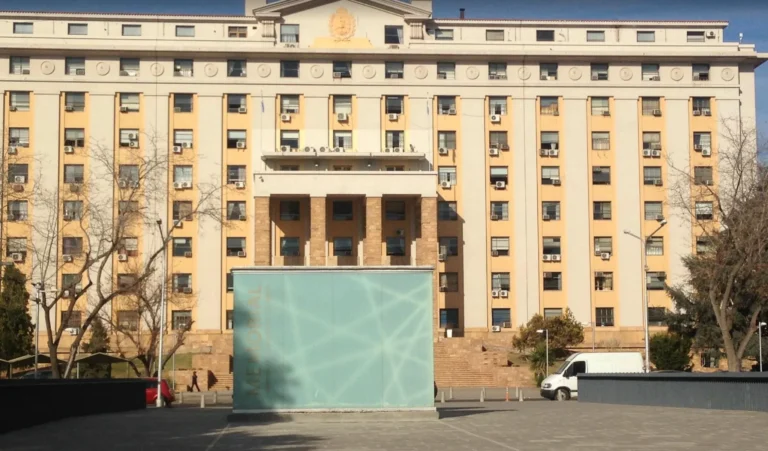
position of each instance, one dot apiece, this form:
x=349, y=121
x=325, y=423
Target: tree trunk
x=734, y=362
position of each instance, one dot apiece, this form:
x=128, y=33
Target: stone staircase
x=224, y=382
x=470, y=362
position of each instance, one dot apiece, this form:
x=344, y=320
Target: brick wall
x=372, y=242
x=262, y=225
x=317, y=236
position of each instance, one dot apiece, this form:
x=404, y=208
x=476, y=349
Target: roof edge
x=719, y=23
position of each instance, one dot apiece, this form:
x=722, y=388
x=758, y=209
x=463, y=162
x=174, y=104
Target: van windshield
x=563, y=367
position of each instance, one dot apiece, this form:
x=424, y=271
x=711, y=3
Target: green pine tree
x=16, y=327
x=99, y=342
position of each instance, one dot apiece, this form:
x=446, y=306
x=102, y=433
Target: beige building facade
x=510, y=155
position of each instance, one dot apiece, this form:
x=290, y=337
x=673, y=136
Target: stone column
x=262, y=228
x=372, y=244
x=317, y=234
x=426, y=248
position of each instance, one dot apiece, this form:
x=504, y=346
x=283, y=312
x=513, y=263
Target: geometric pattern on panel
x=333, y=339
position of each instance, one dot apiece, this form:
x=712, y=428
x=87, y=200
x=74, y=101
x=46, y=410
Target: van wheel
x=562, y=394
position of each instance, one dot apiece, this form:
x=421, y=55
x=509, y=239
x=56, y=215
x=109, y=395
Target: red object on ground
x=151, y=392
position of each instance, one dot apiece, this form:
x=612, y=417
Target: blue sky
x=745, y=16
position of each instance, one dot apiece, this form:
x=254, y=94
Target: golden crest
x=342, y=25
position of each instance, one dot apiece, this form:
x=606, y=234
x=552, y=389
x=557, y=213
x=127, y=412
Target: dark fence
x=25, y=403
x=724, y=391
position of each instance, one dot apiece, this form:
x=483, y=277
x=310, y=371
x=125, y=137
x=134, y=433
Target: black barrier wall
x=722, y=391
x=25, y=403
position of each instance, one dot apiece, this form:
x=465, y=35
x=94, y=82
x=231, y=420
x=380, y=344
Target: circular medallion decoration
x=316, y=71
x=156, y=69
x=47, y=67
x=420, y=72
x=676, y=74
x=472, y=73
x=211, y=70
x=727, y=74
x=574, y=73
x=369, y=72
x=626, y=74
x=264, y=71
x=102, y=69
x=524, y=73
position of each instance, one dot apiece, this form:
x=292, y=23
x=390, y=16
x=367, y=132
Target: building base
x=333, y=415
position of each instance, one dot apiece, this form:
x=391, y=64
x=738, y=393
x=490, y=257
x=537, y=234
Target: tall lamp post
x=159, y=402
x=546, y=341
x=644, y=264
x=760, y=342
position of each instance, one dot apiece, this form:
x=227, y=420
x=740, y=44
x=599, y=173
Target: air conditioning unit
x=545, y=217
x=441, y=257
x=133, y=144
x=342, y=117
x=17, y=257
x=387, y=149
x=711, y=35
x=122, y=257
x=658, y=182
x=70, y=108
x=397, y=149
x=445, y=184
x=393, y=116
x=706, y=112
x=556, y=181
x=188, y=254
x=67, y=258
x=187, y=290
x=656, y=113
x=647, y=153
x=495, y=118
x=697, y=112
x=656, y=153
x=556, y=257
x=443, y=287
x=495, y=328
x=554, y=152
x=285, y=117
x=242, y=110
x=12, y=150
x=186, y=185
x=500, y=185
x=186, y=144
x=323, y=149
x=544, y=152
x=337, y=75
x=178, y=223
x=494, y=253
x=452, y=111
x=240, y=185
x=338, y=149
x=504, y=147
x=241, y=254
x=708, y=182
x=240, y=145
x=177, y=149
x=605, y=255
x=606, y=113
x=19, y=179
x=309, y=149
x=659, y=217
x=72, y=330
x=124, y=109
x=69, y=149
x=495, y=217
x=79, y=71
x=546, y=258
x=655, y=78
x=706, y=152
x=504, y=293
x=68, y=216
x=133, y=136
x=494, y=152
x=442, y=151
x=122, y=183
x=697, y=147
x=494, y=293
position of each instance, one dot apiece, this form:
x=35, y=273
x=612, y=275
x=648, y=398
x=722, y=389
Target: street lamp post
x=643, y=262
x=39, y=297
x=760, y=343
x=159, y=402
x=546, y=344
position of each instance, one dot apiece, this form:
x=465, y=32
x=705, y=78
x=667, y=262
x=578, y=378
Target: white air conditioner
x=697, y=147
x=309, y=149
x=494, y=253
x=443, y=287
x=122, y=257
x=240, y=185
x=186, y=144
x=494, y=293
x=188, y=254
x=241, y=254
x=544, y=152
x=494, y=152
x=176, y=149
x=500, y=185
x=655, y=78
x=67, y=258
x=178, y=185
x=240, y=145
x=342, y=117
x=133, y=144
x=397, y=149
x=656, y=113
x=442, y=151
x=656, y=153
x=556, y=257
x=285, y=117
x=495, y=328
x=445, y=184
x=556, y=181
x=323, y=149
x=338, y=149
x=697, y=112
x=554, y=152
x=711, y=35
x=504, y=293
x=605, y=255
x=706, y=152
x=393, y=116
x=69, y=149
x=545, y=217
x=495, y=118
x=441, y=257
x=647, y=153
x=12, y=150
x=79, y=71
x=122, y=183
x=546, y=258
x=504, y=147
x=706, y=111
x=68, y=216
x=178, y=223
x=17, y=257
x=452, y=111
x=242, y=110
x=19, y=179
x=658, y=182
x=495, y=217
x=187, y=290
x=337, y=75
x=124, y=109
x=72, y=330
x=285, y=148
x=70, y=108
x=186, y=185
x=387, y=149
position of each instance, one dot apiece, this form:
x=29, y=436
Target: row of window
x=604, y=317
x=133, y=30
x=130, y=320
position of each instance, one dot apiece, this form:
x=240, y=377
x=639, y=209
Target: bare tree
x=728, y=281
x=93, y=218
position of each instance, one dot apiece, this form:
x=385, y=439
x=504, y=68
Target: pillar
x=372, y=243
x=426, y=249
x=262, y=225
x=317, y=234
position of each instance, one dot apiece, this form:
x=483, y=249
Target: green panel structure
x=333, y=339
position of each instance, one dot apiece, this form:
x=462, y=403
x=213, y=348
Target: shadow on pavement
x=456, y=412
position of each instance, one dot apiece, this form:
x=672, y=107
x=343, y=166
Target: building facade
x=510, y=155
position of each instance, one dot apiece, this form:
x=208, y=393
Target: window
x=602, y=210
x=651, y=106
x=444, y=34
x=653, y=211
x=548, y=71
x=182, y=137
x=342, y=104
x=501, y=317
x=446, y=140
x=73, y=209
x=701, y=106
x=702, y=141
x=703, y=245
x=397, y=168
x=395, y=139
x=704, y=211
x=342, y=69
x=601, y=106
x=16, y=246
x=342, y=247
x=289, y=138
x=182, y=210
x=235, y=246
x=19, y=101
x=235, y=102
x=75, y=101
x=551, y=245
x=394, y=104
x=447, y=211
x=652, y=175
x=701, y=72
x=498, y=140
x=125, y=207
x=182, y=247
x=183, y=68
x=695, y=36
x=73, y=173
x=182, y=103
x=289, y=33
x=545, y=35
x=655, y=280
x=74, y=137
x=393, y=69
x=394, y=210
x=553, y=312
x=553, y=281
x=650, y=72
x=236, y=68
x=185, y=31
x=549, y=106
x=343, y=210
x=601, y=141
x=494, y=35
x=235, y=173
x=18, y=173
x=17, y=210
x=128, y=320
x=550, y=174
x=446, y=105
x=73, y=319
x=657, y=316
x=500, y=281
x=497, y=71
x=18, y=137
x=129, y=246
x=393, y=34
x=449, y=246
x=499, y=174
x=70, y=281
x=22, y=28
x=181, y=319
x=237, y=32
x=646, y=36
x=236, y=210
x=230, y=316
x=499, y=246
x=651, y=141
x=182, y=173
x=289, y=104
x=342, y=139
x=19, y=65
x=129, y=102
x=497, y=105
x=446, y=71
x=77, y=29
x=595, y=36
x=449, y=281
x=550, y=210
x=71, y=245
x=500, y=211
x=131, y=30
x=702, y=175
x=601, y=175
x=289, y=69
x=603, y=281
x=603, y=244
x=290, y=210
x=654, y=246
x=230, y=282
x=235, y=137
x=599, y=72
x=449, y=318
x=395, y=246
x=182, y=283
x=74, y=66
x=604, y=316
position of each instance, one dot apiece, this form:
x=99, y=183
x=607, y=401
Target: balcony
x=346, y=153
x=323, y=183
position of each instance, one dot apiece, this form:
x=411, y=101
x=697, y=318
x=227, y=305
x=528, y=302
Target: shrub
x=671, y=352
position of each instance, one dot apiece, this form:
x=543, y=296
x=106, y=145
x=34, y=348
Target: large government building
x=522, y=159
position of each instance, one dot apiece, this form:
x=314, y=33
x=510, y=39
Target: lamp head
x=541, y=331
x=762, y=324
x=663, y=222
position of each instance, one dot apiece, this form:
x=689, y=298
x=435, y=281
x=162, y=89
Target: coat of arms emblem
x=342, y=25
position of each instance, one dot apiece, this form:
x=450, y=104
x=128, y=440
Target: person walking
x=194, y=381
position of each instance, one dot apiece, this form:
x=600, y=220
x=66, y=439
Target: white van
x=564, y=383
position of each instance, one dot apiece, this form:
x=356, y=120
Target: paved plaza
x=527, y=426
